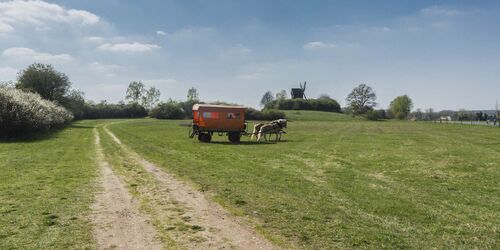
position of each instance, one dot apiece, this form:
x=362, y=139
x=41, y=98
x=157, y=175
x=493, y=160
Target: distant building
x=297, y=93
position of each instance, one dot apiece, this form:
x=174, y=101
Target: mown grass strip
x=46, y=189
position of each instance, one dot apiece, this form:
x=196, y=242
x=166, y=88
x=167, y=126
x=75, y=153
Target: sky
x=443, y=54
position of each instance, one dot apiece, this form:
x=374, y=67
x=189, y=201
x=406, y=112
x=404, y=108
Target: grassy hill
x=305, y=115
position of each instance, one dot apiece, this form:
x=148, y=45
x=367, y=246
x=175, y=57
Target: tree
x=419, y=115
x=74, y=101
x=324, y=97
x=167, y=110
x=150, y=97
x=430, y=114
x=44, y=80
x=361, y=99
x=267, y=98
x=135, y=92
x=462, y=115
x=192, y=95
x=281, y=95
x=401, y=106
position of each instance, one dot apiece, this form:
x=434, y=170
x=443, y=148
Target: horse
x=256, y=129
x=274, y=127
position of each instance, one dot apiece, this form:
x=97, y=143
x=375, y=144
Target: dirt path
x=220, y=229
x=117, y=221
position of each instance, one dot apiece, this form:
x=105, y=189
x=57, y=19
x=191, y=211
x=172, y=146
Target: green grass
x=46, y=188
x=338, y=181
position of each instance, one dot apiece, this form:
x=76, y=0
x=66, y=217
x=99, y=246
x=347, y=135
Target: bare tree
x=281, y=95
x=430, y=113
x=150, y=98
x=361, y=99
x=267, y=98
x=135, y=92
x=192, y=95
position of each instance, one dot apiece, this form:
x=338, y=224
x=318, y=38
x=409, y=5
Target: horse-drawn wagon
x=221, y=119
x=229, y=120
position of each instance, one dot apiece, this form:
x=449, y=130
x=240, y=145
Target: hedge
x=23, y=112
x=328, y=105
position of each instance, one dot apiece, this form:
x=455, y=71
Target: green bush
x=375, y=115
x=328, y=105
x=109, y=110
x=265, y=115
x=168, y=110
x=22, y=112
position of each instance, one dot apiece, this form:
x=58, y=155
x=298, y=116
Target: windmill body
x=299, y=93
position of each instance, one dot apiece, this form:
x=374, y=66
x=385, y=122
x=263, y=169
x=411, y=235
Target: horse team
x=274, y=127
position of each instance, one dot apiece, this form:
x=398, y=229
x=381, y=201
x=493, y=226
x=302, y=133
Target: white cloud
x=8, y=73
x=96, y=39
x=41, y=14
x=161, y=33
x=319, y=45
x=128, y=47
x=28, y=54
x=83, y=16
x=98, y=66
x=441, y=11
x=5, y=28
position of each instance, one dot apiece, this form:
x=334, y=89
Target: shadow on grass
x=80, y=126
x=247, y=143
x=38, y=135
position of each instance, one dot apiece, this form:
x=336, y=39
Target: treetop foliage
x=401, y=107
x=44, y=80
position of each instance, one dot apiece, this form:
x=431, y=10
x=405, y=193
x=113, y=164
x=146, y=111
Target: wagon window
x=233, y=115
x=210, y=115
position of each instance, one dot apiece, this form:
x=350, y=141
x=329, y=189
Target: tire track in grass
x=217, y=228
x=116, y=218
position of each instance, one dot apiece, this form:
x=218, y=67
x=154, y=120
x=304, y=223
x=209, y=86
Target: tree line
x=361, y=101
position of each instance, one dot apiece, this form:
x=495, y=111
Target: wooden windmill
x=299, y=93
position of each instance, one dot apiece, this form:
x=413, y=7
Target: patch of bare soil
x=214, y=227
x=116, y=218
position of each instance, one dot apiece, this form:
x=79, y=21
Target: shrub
x=375, y=115
x=323, y=104
x=168, y=110
x=265, y=115
x=108, y=110
x=22, y=112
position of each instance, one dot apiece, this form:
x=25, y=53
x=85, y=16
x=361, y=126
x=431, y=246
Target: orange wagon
x=222, y=119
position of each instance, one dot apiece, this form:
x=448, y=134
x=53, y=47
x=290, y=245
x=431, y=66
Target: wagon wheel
x=234, y=137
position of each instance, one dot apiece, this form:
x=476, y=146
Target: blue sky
x=443, y=54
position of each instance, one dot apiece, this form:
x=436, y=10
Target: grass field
x=341, y=182
x=46, y=188
x=334, y=182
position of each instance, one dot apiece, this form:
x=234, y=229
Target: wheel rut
x=218, y=228
x=116, y=217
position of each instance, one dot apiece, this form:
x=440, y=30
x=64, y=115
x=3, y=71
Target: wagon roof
x=213, y=106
